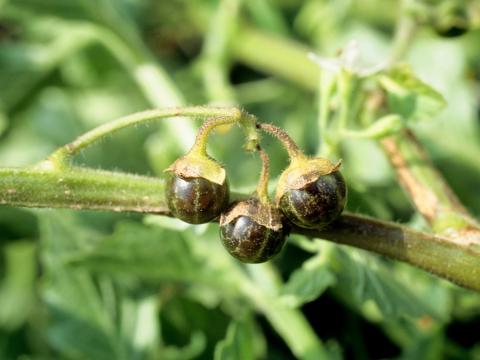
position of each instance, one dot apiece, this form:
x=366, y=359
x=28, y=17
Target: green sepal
x=194, y=165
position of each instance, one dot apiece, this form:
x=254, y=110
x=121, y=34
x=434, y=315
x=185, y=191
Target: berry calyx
x=312, y=193
x=252, y=232
x=196, y=189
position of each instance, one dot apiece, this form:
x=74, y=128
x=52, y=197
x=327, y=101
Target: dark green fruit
x=252, y=232
x=195, y=200
x=316, y=204
x=311, y=192
x=451, y=31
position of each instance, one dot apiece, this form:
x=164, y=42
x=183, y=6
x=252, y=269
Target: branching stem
x=80, y=188
x=60, y=157
x=292, y=148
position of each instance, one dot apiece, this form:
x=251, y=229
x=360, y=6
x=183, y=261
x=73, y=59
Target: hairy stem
x=200, y=145
x=143, y=117
x=292, y=148
x=79, y=188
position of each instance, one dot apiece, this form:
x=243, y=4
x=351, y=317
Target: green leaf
x=151, y=253
x=369, y=285
x=239, y=342
x=17, y=293
x=307, y=283
x=410, y=97
x=112, y=323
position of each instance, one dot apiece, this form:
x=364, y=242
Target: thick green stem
x=277, y=56
x=459, y=263
x=79, y=188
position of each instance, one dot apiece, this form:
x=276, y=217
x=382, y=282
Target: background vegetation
x=106, y=285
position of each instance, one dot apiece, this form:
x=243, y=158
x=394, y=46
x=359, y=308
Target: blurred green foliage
x=85, y=285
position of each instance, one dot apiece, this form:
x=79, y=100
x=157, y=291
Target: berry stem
x=262, y=187
x=200, y=145
x=60, y=157
x=292, y=148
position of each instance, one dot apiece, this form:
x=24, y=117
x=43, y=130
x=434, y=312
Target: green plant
x=122, y=279
x=252, y=230
x=310, y=192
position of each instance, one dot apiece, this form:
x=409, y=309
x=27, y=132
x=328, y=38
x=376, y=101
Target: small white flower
x=349, y=60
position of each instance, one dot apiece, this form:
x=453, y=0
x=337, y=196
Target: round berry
x=316, y=204
x=195, y=200
x=252, y=232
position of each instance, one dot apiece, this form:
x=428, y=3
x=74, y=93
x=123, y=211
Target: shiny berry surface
x=195, y=200
x=251, y=242
x=316, y=204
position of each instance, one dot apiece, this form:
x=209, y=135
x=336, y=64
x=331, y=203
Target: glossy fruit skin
x=250, y=242
x=195, y=200
x=317, y=204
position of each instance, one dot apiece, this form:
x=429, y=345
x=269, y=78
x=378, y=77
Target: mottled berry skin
x=251, y=242
x=317, y=204
x=195, y=200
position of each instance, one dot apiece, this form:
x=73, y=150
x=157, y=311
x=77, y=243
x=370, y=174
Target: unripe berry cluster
x=311, y=193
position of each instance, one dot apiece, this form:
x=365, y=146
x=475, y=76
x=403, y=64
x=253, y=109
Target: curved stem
x=262, y=187
x=292, y=148
x=200, y=145
x=59, y=157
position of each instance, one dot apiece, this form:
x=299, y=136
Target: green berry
x=252, y=232
x=195, y=200
x=196, y=189
x=316, y=204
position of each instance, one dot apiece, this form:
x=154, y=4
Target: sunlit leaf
x=409, y=96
